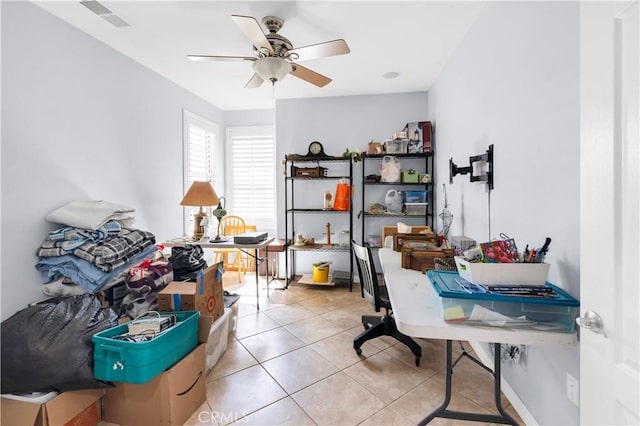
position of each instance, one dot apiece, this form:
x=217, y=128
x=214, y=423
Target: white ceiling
x=414, y=39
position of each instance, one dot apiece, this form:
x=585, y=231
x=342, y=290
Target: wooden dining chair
x=230, y=226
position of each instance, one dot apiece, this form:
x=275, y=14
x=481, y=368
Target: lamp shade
x=200, y=194
x=272, y=69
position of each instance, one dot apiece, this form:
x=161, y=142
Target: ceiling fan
x=274, y=55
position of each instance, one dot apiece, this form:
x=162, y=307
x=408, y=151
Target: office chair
x=376, y=326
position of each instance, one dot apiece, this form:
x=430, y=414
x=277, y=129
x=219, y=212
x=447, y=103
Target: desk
x=417, y=313
x=231, y=244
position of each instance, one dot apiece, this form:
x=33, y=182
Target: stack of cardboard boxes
x=169, y=398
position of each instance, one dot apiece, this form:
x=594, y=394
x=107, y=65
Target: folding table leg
x=441, y=411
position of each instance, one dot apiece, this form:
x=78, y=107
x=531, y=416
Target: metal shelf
x=412, y=155
x=399, y=184
x=317, y=178
x=320, y=247
x=296, y=158
x=294, y=184
x=396, y=215
x=427, y=166
x=316, y=211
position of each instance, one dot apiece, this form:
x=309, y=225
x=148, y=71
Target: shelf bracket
x=480, y=168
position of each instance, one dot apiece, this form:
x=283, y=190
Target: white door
x=610, y=221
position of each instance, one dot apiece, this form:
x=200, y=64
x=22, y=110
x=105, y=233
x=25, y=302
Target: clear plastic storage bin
x=555, y=313
x=415, y=209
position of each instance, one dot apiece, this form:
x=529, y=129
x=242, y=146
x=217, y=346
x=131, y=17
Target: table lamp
x=219, y=212
x=200, y=194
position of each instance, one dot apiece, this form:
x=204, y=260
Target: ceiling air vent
x=102, y=11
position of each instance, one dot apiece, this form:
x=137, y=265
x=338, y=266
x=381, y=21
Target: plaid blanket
x=108, y=254
x=72, y=237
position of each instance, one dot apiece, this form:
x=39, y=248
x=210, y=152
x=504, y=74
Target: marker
x=543, y=251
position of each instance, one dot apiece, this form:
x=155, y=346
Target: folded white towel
x=90, y=214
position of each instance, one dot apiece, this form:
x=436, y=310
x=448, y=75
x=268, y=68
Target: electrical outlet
x=573, y=390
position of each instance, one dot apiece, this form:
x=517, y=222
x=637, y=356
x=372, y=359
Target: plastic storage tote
x=138, y=362
x=553, y=313
x=415, y=196
x=416, y=209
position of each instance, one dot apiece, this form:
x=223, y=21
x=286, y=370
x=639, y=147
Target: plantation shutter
x=251, y=176
x=200, y=137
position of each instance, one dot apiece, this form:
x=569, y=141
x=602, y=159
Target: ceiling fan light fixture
x=272, y=69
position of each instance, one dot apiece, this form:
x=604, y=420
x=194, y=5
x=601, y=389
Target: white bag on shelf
x=390, y=169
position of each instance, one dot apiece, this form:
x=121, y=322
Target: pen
x=525, y=254
x=543, y=251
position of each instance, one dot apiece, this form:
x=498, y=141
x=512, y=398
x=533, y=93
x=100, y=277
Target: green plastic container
x=138, y=362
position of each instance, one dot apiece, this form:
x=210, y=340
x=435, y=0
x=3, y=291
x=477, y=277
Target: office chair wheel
x=359, y=351
x=417, y=361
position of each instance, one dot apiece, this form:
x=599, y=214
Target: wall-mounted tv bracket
x=486, y=167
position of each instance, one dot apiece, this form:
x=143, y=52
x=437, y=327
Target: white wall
x=514, y=82
x=338, y=123
x=81, y=121
x=256, y=117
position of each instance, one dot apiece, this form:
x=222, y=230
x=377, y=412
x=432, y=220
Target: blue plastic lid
x=451, y=285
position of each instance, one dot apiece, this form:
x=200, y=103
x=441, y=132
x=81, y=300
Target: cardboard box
x=399, y=239
x=72, y=408
x=375, y=148
x=169, y=399
x=414, y=256
x=205, y=295
x=389, y=231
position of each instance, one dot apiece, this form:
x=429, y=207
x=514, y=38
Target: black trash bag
x=47, y=347
x=187, y=261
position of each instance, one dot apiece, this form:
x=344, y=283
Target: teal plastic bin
x=557, y=313
x=138, y=362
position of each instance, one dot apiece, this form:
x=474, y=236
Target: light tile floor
x=292, y=363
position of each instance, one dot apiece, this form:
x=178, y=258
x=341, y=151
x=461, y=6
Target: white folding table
x=417, y=313
x=229, y=243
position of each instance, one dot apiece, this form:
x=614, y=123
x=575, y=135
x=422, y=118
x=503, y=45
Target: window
x=251, y=174
x=199, y=144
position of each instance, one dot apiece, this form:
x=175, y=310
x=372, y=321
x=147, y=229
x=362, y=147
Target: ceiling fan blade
x=220, y=58
x=320, y=50
x=251, y=28
x=255, y=81
x=310, y=76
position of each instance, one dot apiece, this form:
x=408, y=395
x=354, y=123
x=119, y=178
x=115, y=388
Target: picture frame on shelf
x=419, y=134
x=414, y=146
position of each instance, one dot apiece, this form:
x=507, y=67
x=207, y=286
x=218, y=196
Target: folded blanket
x=90, y=214
x=72, y=237
x=63, y=286
x=86, y=275
x=108, y=254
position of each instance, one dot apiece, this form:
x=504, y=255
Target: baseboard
x=514, y=400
